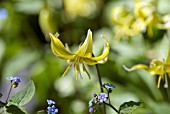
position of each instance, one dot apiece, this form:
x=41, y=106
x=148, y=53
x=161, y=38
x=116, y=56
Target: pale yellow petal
x=157, y=67
x=156, y=63
x=167, y=68
x=157, y=70
x=103, y=58
x=168, y=57
x=136, y=67
x=85, y=49
x=59, y=49
x=89, y=61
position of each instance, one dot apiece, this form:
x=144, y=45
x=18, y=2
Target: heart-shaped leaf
x=25, y=95
x=128, y=107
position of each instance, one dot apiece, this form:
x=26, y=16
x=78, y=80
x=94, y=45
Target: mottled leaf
x=128, y=107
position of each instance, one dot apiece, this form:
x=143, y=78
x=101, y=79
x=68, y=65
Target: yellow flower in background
x=83, y=8
x=156, y=67
x=124, y=22
x=82, y=56
x=144, y=19
x=146, y=13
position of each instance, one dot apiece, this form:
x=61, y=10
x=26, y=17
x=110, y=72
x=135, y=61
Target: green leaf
x=2, y=104
x=25, y=95
x=12, y=109
x=128, y=107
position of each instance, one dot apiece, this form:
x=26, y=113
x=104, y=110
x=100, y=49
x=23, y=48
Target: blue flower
x=50, y=102
x=107, y=85
x=11, y=78
x=17, y=80
x=51, y=109
x=102, y=97
x=3, y=13
x=91, y=103
x=94, y=94
x=91, y=110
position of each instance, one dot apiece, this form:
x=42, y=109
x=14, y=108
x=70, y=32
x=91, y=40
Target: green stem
x=99, y=77
x=167, y=87
x=41, y=111
x=109, y=96
x=112, y=107
x=9, y=92
x=101, y=88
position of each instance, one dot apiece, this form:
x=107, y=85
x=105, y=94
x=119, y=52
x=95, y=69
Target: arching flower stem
x=101, y=88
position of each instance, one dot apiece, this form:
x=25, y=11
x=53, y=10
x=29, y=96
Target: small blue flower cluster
x=14, y=80
x=51, y=109
x=96, y=101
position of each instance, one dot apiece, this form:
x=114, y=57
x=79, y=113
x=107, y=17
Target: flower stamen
x=85, y=70
x=67, y=70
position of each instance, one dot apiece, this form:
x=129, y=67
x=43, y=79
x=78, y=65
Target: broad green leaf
x=128, y=107
x=25, y=95
x=12, y=109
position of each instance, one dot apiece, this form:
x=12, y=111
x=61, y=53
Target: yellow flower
x=82, y=8
x=82, y=56
x=156, y=67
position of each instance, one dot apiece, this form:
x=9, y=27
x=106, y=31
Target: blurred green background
x=25, y=50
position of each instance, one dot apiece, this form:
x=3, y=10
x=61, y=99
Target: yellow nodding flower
x=156, y=67
x=82, y=56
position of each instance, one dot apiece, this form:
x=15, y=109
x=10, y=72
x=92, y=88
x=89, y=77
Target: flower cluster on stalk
x=51, y=109
x=97, y=100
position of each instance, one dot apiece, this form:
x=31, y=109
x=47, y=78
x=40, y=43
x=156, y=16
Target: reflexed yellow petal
x=89, y=61
x=136, y=67
x=155, y=70
x=157, y=67
x=103, y=58
x=156, y=63
x=85, y=49
x=167, y=68
x=168, y=57
x=59, y=49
